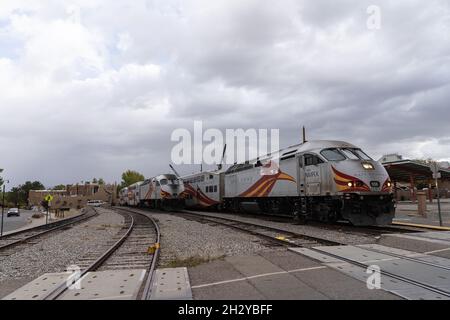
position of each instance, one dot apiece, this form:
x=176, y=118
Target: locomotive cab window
x=332, y=155
x=361, y=154
x=312, y=160
x=350, y=154
x=163, y=182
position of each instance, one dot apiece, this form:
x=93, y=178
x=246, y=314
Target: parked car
x=95, y=203
x=13, y=212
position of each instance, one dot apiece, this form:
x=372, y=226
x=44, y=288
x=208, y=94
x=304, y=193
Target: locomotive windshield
x=361, y=154
x=332, y=155
x=165, y=182
x=355, y=154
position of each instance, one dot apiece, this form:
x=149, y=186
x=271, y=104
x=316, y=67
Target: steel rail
x=94, y=266
x=272, y=229
x=395, y=227
x=151, y=270
x=413, y=259
x=386, y=273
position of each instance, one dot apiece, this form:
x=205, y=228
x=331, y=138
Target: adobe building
x=75, y=196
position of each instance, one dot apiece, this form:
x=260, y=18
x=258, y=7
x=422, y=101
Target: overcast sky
x=93, y=87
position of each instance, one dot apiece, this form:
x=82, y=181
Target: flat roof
x=402, y=170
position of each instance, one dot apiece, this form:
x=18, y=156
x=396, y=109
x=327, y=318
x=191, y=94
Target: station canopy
x=403, y=170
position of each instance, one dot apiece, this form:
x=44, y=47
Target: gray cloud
x=100, y=92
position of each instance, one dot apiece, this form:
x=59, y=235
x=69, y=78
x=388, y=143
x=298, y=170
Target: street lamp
x=3, y=206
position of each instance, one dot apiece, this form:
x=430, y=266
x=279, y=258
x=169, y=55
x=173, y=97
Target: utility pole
x=3, y=206
x=3, y=209
x=436, y=176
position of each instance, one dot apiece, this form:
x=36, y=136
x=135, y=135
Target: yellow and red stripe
x=165, y=195
x=264, y=185
x=342, y=181
x=202, y=199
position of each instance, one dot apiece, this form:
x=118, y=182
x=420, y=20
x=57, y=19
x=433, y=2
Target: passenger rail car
x=316, y=180
x=133, y=194
x=162, y=192
x=123, y=197
x=204, y=190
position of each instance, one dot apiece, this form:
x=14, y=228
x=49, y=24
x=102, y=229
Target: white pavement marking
x=256, y=276
x=142, y=275
x=437, y=251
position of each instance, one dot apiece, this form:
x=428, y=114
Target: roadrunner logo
x=265, y=184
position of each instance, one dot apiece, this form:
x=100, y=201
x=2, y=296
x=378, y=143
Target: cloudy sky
x=94, y=87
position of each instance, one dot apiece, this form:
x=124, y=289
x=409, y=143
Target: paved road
x=13, y=223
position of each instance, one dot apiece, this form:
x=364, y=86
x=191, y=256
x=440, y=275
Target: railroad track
x=338, y=226
x=271, y=234
x=435, y=289
x=10, y=242
x=128, y=250
x=317, y=244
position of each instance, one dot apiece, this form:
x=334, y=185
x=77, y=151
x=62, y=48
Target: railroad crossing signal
x=48, y=198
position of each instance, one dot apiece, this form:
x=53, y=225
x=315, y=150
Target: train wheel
x=332, y=216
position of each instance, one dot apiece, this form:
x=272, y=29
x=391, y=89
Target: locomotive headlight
x=368, y=166
x=350, y=184
x=389, y=184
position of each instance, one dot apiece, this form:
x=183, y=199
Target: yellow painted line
x=420, y=226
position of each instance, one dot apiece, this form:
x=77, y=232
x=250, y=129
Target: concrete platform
x=39, y=288
x=107, y=285
x=433, y=243
x=407, y=213
x=171, y=284
x=277, y=275
x=103, y=285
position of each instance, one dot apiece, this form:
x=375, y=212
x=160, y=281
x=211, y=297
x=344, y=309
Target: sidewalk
x=408, y=212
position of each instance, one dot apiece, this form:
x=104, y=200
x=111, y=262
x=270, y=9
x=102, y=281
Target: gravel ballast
x=185, y=242
x=308, y=230
x=56, y=252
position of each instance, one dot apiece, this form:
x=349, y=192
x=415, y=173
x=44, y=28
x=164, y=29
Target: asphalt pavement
x=13, y=223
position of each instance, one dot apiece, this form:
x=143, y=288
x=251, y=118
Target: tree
x=59, y=187
x=129, y=177
x=19, y=195
x=98, y=181
x=1, y=179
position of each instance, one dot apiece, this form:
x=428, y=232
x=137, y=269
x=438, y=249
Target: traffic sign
x=48, y=198
x=435, y=167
